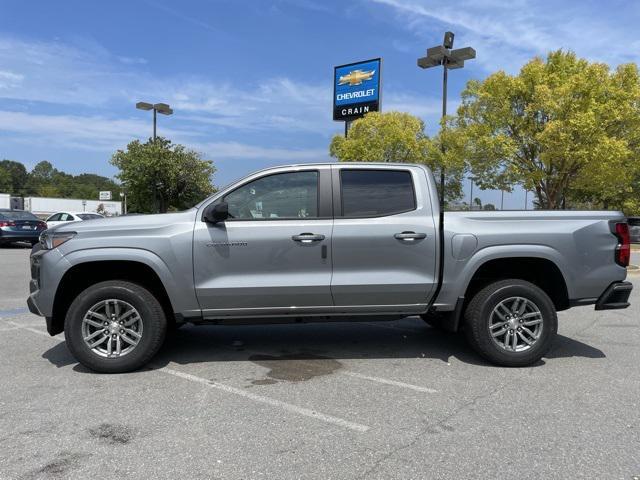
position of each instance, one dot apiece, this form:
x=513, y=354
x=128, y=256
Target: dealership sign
x=356, y=89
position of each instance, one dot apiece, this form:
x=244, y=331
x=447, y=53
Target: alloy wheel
x=112, y=328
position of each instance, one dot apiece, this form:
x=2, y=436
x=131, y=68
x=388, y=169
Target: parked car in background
x=66, y=217
x=634, y=229
x=19, y=226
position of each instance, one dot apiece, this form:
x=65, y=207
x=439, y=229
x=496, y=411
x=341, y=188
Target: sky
x=250, y=82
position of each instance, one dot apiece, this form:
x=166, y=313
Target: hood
x=127, y=222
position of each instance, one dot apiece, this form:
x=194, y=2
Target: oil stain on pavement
x=297, y=367
x=111, y=433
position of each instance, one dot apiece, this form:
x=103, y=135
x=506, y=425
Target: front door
x=273, y=255
x=384, y=239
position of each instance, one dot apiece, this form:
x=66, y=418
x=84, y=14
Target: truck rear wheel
x=115, y=327
x=511, y=323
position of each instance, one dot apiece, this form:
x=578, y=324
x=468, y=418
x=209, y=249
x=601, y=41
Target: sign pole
x=347, y=126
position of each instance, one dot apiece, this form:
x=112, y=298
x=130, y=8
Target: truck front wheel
x=115, y=327
x=511, y=323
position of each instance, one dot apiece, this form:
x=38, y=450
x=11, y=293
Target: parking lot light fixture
x=162, y=108
x=450, y=60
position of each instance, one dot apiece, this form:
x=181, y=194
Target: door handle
x=410, y=236
x=308, y=237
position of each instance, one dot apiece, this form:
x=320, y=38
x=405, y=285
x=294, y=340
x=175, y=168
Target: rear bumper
x=20, y=236
x=615, y=296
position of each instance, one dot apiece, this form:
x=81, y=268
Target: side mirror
x=216, y=213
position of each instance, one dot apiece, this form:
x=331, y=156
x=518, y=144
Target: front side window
x=374, y=193
x=279, y=196
x=54, y=218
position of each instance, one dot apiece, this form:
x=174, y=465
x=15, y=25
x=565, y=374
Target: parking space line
x=386, y=381
x=268, y=400
x=33, y=330
x=237, y=391
x=351, y=373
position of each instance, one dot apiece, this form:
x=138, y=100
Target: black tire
x=149, y=309
x=478, y=315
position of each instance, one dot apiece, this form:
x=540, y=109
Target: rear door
x=273, y=255
x=384, y=238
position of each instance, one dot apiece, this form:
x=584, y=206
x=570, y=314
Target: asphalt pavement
x=334, y=401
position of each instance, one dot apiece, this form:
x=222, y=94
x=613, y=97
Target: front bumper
x=615, y=296
x=47, y=269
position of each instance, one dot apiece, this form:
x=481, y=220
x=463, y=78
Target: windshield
x=18, y=215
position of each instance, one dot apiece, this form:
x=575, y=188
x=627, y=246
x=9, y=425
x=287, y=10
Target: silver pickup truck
x=326, y=242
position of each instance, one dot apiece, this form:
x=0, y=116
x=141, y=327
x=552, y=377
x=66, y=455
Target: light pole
x=162, y=108
x=471, y=199
x=123, y=196
x=449, y=59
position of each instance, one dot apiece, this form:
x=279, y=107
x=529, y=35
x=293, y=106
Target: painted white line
x=269, y=401
x=386, y=381
x=351, y=373
x=33, y=330
x=237, y=391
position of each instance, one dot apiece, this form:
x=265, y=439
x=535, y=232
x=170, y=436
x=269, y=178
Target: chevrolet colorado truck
x=326, y=242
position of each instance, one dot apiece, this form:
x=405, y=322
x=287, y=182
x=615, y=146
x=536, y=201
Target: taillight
x=4, y=223
x=42, y=226
x=623, y=250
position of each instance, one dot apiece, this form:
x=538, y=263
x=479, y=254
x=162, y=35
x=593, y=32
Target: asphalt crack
x=431, y=428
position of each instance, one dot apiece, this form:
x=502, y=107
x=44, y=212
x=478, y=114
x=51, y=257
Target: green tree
x=564, y=128
x=161, y=176
x=17, y=174
x=400, y=137
x=5, y=180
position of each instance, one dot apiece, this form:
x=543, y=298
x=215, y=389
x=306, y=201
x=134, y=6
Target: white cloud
x=74, y=131
x=508, y=33
x=240, y=151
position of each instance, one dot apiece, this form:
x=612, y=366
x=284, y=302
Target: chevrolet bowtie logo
x=356, y=77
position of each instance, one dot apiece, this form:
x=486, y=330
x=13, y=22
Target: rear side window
x=375, y=193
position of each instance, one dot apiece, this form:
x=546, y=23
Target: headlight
x=53, y=239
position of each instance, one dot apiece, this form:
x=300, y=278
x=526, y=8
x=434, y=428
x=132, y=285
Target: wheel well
x=539, y=271
x=81, y=276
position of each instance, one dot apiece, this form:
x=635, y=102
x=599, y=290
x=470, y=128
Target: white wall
x=43, y=205
x=5, y=200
